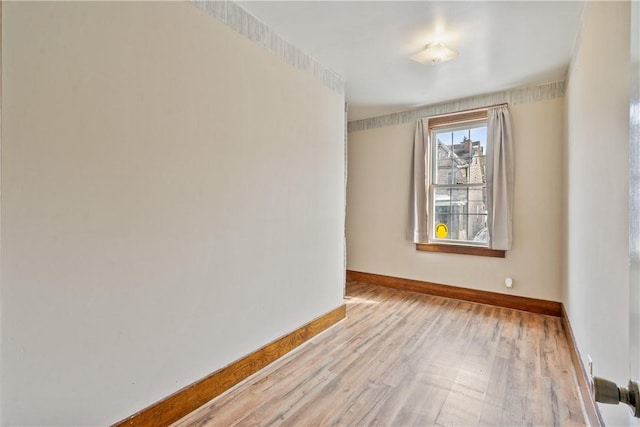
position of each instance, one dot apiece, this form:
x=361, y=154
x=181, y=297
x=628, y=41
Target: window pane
x=460, y=214
x=476, y=170
x=445, y=168
x=477, y=200
x=478, y=228
x=442, y=215
x=459, y=155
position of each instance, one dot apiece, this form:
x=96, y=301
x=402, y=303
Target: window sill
x=459, y=249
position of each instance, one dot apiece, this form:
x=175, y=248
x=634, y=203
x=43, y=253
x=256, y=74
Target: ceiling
x=501, y=45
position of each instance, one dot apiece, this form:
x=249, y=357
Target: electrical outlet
x=508, y=282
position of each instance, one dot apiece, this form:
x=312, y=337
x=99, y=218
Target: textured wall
x=172, y=200
x=596, y=273
x=378, y=207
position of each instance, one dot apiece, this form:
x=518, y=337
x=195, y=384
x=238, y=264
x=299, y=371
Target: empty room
x=310, y=213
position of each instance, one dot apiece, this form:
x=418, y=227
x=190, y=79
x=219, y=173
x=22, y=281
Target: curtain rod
x=469, y=111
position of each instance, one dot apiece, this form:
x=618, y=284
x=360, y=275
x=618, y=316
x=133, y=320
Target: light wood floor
x=406, y=359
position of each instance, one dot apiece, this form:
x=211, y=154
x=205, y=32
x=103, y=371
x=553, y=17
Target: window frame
x=462, y=119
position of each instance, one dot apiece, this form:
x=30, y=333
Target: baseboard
x=188, y=399
x=532, y=305
x=590, y=406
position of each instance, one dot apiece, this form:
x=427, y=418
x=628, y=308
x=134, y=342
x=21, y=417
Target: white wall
x=596, y=288
x=378, y=210
x=171, y=201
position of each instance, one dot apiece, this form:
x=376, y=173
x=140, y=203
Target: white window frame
x=452, y=125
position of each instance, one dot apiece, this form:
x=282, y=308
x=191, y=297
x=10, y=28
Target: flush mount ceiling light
x=434, y=53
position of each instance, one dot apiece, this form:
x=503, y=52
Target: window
x=458, y=185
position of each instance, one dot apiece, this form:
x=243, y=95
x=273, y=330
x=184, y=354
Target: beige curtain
x=499, y=170
x=420, y=174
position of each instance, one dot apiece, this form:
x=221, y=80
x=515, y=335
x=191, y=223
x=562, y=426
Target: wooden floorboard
x=407, y=359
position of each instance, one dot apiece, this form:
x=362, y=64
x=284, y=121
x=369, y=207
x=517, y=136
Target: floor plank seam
x=407, y=358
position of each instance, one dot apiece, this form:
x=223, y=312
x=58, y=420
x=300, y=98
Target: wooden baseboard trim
x=590, y=406
x=532, y=305
x=188, y=399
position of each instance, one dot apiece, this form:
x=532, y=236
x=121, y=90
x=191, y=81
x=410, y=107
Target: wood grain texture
x=460, y=250
x=532, y=305
x=590, y=405
x=461, y=117
x=195, y=395
x=407, y=359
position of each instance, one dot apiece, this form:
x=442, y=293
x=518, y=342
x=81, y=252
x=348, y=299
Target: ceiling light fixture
x=434, y=53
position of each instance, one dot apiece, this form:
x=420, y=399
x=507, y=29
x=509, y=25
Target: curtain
x=499, y=170
x=419, y=194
